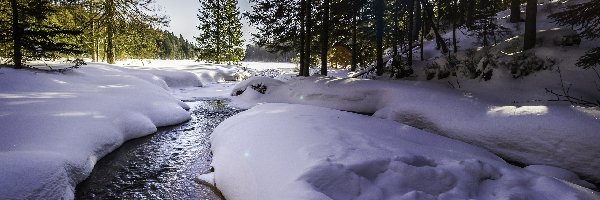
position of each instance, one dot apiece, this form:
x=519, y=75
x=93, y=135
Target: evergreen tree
x=33, y=32
x=119, y=24
x=483, y=23
x=220, y=32
x=586, y=18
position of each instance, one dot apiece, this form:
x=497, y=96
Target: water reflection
x=162, y=165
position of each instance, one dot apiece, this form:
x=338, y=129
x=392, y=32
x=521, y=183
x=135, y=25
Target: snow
x=56, y=126
x=310, y=152
x=207, y=72
x=546, y=133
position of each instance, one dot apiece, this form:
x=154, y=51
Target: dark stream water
x=162, y=165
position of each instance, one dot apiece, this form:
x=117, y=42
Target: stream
x=162, y=165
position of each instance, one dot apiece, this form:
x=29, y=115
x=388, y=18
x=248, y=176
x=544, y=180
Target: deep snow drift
x=285, y=151
x=547, y=133
x=56, y=126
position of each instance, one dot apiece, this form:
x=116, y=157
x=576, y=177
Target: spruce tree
x=586, y=19
x=220, y=32
x=233, y=52
x=120, y=24
x=34, y=35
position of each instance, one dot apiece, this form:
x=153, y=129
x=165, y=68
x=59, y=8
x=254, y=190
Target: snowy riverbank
x=287, y=151
x=56, y=126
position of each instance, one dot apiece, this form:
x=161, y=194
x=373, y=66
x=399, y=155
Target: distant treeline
x=256, y=53
x=171, y=47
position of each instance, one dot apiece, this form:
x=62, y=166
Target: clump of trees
x=33, y=29
x=103, y=30
x=171, y=47
x=220, y=38
x=585, y=18
x=257, y=53
x=367, y=28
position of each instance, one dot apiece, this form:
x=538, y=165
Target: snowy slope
x=546, y=133
x=286, y=151
x=56, y=126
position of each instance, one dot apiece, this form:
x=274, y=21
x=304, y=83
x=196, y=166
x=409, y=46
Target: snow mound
x=545, y=133
x=286, y=151
x=258, y=83
x=206, y=72
x=56, y=126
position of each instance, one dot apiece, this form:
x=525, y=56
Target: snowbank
x=546, y=133
x=56, y=126
x=285, y=151
x=207, y=72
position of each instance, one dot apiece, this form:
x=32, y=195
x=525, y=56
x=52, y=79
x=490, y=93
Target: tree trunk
x=302, y=36
x=218, y=32
x=308, y=37
x=422, y=37
x=110, y=15
x=396, y=33
x=411, y=16
x=380, y=23
x=530, y=25
x=325, y=38
x=454, y=25
x=515, y=11
x=16, y=35
x=429, y=10
x=354, y=44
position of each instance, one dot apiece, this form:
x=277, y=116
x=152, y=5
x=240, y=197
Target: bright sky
x=184, y=21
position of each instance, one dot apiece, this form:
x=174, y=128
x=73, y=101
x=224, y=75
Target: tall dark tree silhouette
x=380, y=28
x=530, y=25
x=325, y=37
x=515, y=11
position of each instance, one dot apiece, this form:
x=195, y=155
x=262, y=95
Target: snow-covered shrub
x=259, y=87
x=260, y=84
x=431, y=70
x=469, y=67
x=398, y=69
x=590, y=59
x=527, y=63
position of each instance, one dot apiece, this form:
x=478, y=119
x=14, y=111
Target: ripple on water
x=162, y=165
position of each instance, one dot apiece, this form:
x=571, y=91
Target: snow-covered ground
x=56, y=126
x=289, y=151
x=318, y=153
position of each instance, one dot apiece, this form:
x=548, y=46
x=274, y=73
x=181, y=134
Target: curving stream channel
x=162, y=165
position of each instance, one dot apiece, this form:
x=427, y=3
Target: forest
x=300, y=99
x=370, y=30
x=98, y=30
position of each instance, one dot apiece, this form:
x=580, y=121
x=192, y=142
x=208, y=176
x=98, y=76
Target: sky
x=184, y=21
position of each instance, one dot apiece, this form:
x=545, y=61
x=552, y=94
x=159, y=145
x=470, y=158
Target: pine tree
x=34, y=35
x=586, y=18
x=115, y=25
x=234, y=52
x=220, y=32
x=482, y=22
